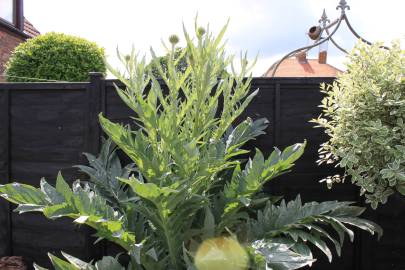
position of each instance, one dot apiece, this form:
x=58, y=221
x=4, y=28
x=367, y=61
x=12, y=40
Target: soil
x=12, y=263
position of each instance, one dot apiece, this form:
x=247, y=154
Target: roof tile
x=29, y=29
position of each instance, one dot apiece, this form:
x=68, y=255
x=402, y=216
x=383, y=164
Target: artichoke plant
x=192, y=199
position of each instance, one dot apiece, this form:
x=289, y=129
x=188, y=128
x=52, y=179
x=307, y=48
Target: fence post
x=95, y=94
x=277, y=115
x=95, y=99
x=5, y=211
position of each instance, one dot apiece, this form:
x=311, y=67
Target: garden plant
x=55, y=56
x=192, y=197
x=364, y=114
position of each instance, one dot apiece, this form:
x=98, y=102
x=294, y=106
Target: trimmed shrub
x=55, y=56
x=364, y=114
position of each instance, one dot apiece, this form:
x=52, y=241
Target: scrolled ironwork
x=325, y=24
x=305, y=49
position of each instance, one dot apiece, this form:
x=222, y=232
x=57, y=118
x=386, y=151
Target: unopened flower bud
x=174, y=39
x=200, y=31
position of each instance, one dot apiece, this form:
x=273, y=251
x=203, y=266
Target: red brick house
x=14, y=29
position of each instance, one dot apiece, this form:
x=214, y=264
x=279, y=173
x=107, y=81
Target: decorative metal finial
x=343, y=6
x=324, y=19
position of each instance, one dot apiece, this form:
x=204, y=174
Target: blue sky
x=270, y=28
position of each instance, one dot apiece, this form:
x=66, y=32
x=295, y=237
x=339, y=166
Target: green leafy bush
x=364, y=114
x=55, y=56
x=190, y=181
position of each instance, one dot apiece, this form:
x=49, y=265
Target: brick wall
x=8, y=41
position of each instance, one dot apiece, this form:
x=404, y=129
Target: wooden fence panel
x=389, y=252
x=47, y=128
x=298, y=105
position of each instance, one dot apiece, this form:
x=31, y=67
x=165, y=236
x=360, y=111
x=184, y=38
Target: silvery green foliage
x=280, y=256
x=192, y=179
x=364, y=116
x=104, y=172
x=72, y=263
x=293, y=225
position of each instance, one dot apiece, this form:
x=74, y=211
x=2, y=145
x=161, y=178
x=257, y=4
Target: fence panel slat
x=5, y=222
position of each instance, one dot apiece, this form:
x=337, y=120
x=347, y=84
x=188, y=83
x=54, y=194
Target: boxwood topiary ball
x=55, y=56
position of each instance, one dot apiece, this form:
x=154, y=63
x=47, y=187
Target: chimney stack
x=323, y=52
x=301, y=57
x=322, y=57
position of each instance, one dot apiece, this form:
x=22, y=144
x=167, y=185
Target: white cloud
x=270, y=27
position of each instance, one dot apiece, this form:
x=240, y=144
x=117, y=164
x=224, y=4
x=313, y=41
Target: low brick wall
x=8, y=41
x=12, y=263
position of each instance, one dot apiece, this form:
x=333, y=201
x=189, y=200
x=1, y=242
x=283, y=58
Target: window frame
x=14, y=15
x=18, y=16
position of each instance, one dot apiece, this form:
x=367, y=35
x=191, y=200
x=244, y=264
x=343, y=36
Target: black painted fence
x=44, y=128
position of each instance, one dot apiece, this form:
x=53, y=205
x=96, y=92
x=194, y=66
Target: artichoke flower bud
x=200, y=31
x=223, y=253
x=174, y=39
